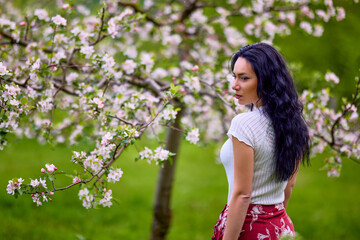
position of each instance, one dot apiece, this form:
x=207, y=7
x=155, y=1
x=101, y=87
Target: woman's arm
x=289, y=187
x=240, y=199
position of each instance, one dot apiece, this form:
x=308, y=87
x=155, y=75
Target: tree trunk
x=162, y=211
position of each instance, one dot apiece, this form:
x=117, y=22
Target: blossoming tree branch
x=139, y=68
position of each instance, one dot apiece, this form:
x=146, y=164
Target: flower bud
x=43, y=170
x=196, y=68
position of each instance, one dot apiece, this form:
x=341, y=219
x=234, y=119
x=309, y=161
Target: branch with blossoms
x=96, y=167
x=337, y=132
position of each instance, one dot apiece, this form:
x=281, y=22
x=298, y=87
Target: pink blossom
x=146, y=154
x=106, y=138
x=193, y=136
x=43, y=183
x=83, y=192
x=45, y=105
x=87, y=50
x=249, y=27
x=11, y=92
x=331, y=77
x=100, y=103
x=323, y=15
x=129, y=66
x=3, y=70
x=169, y=114
x=58, y=20
x=198, y=17
x=308, y=12
x=333, y=173
x=161, y=154
x=36, y=199
x=76, y=180
x=113, y=27
x=291, y=17
x=14, y=102
x=306, y=27
x=50, y=167
x=6, y=22
x=318, y=31
x=159, y=73
x=340, y=13
x=114, y=175
x=146, y=59
x=65, y=6
x=83, y=10
x=131, y=52
x=34, y=183
x=14, y=185
x=246, y=11
x=41, y=14
x=106, y=201
x=173, y=39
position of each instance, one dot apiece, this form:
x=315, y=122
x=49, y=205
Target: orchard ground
x=320, y=207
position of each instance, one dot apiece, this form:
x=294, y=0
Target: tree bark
x=162, y=210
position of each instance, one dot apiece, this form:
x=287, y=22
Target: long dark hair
x=280, y=101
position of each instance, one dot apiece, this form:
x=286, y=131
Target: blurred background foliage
x=321, y=207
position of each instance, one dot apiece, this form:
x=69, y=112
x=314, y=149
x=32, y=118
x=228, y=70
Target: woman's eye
x=244, y=78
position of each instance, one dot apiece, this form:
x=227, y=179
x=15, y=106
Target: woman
x=265, y=147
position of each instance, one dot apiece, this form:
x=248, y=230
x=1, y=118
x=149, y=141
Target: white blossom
x=3, y=70
x=72, y=77
x=129, y=66
x=131, y=52
x=59, y=20
x=45, y=105
x=193, y=136
x=114, y=175
x=87, y=50
x=41, y=14
x=331, y=77
x=161, y=154
x=306, y=27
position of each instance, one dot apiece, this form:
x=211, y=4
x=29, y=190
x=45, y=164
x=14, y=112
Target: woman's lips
x=238, y=96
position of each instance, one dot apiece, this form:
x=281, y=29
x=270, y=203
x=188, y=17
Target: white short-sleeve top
x=255, y=130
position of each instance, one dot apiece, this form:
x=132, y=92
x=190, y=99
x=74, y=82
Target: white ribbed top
x=255, y=130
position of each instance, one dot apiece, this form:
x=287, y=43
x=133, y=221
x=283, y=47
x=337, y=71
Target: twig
x=27, y=28
x=344, y=112
x=20, y=41
x=139, y=10
x=122, y=120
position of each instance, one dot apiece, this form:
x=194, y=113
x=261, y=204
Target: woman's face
x=245, y=83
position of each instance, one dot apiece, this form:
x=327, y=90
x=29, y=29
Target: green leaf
x=51, y=177
x=23, y=100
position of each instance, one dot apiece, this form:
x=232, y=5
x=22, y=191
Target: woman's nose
x=235, y=85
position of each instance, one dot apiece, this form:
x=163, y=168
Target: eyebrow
x=240, y=74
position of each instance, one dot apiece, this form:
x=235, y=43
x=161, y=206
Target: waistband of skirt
x=263, y=209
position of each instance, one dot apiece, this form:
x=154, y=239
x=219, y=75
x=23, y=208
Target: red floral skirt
x=262, y=222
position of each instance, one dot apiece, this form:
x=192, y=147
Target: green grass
x=321, y=207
